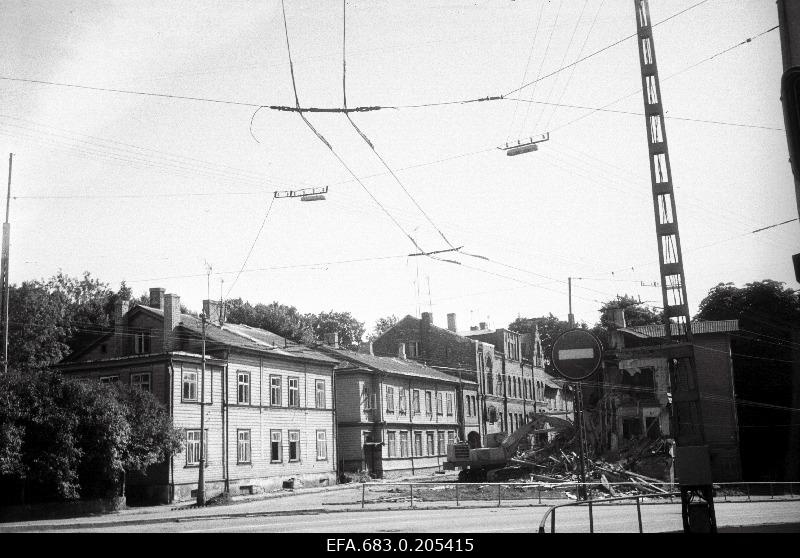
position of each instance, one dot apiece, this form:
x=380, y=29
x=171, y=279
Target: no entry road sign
x=577, y=354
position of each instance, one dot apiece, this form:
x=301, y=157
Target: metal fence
x=435, y=494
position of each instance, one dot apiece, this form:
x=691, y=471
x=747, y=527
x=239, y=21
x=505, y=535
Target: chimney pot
x=172, y=317
x=157, y=298
x=617, y=317
x=451, y=322
x=427, y=317
x=213, y=311
x=483, y=325
x=332, y=339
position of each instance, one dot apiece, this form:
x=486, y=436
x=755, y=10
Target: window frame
x=242, y=384
x=187, y=433
x=430, y=440
x=138, y=384
x=391, y=443
x=319, y=402
x=441, y=437
x=404, y=443
x=111, y=379
x=439, y=403
x=402, y=401
x=415, y=402
x=448, y=398
x=297, y=458
x=324, y=441
x=195, y=382
x=296, y=390
x=248, y=445
x=417, y=444
x=389, y=400
x=275, y=390
x=429, y=403
x=279, y=441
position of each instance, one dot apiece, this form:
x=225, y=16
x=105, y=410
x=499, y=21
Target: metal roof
x=698, y=327
x=392, y=365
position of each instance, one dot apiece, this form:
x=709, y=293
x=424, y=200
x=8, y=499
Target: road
x=607, y=519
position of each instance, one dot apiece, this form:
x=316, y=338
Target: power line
x=775, y=225
x=253, y=245
x=595, y=53
x=527, y=65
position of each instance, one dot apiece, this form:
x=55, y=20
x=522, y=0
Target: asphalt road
x=607, y=519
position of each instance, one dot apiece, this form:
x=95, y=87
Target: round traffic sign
x=577, y=354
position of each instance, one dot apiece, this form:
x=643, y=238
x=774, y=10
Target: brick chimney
x=616, y=317
x=157, y=298
x=427, y=317
x=451, y=322
x=482, y=325
x=332, y=339
x=120, y=309
x=213, y=311
x=172, y=317
x=401, y=350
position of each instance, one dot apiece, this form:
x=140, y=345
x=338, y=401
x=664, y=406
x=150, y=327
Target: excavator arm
x=512, y=441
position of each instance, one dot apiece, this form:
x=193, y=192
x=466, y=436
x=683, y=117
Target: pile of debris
x=640, y=467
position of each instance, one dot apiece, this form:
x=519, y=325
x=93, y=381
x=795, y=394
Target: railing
x=533, y=493
x=551, y=512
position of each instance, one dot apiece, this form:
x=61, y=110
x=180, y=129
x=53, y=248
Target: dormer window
x=141, y=342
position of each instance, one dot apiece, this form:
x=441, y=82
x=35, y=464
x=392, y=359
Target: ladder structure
x=692, y=455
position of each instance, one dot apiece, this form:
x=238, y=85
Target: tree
x=382, y=325
x=278, y=318
x=636, y=313
x=764, y=353
x=62, y=439
x=350, y=330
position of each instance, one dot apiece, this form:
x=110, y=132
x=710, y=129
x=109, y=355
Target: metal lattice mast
x=687, y=418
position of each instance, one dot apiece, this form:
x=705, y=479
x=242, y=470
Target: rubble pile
x=641, y=465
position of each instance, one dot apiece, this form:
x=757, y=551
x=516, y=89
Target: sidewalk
x=341, y=497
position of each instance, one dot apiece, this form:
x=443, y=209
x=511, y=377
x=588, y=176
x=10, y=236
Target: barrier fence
x=432, y=494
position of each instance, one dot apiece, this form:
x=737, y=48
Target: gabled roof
x=698, y=327
x=245, y=337
x=392, y=365
x=455, y=335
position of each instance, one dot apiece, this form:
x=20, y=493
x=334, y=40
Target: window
x=413, y=349
x=643, y=379
x=243, y=383
x=319, y=394
x=141, y=381
x=322, y=445
x=490, y=383
x=415, y=402
x=189, y=386
x=389, y=399
x=429, y=440
x=448, y=397
x=294, y=444
x=193, y=447
x=439, y=407
x=141, y=342
x=428, y=403
x=275, y=391
x=109, y=379
x=418, y=443
x=451, y=437
x=294, y=392
x=276, y=447
x=402, y=402
x=243, y=446
x=440, y=442
x=404, y=444
x=391, y=441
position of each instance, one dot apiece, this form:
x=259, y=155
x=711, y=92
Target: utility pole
x=570, y=316
x=692, y=453
x=5, y=287
x=201, y=485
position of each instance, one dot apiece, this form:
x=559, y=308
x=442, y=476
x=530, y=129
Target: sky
x=152, y=189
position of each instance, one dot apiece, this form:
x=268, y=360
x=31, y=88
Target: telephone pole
x=4, y=271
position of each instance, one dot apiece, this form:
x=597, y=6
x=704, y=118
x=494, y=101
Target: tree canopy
x=382, y=325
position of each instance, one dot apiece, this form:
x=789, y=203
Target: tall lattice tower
x=693, y=460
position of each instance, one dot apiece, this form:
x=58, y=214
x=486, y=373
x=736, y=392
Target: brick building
x=269, y=405
x=396, y=416
x=510, y=388
x=636, y=390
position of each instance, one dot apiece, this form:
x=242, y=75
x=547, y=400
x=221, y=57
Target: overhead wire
x=330, y=147
x=252, y=246
x=541, y=64
x=527, y=65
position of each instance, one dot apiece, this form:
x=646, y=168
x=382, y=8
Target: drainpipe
x=505, y=391
x=411, y=427
x=335, y=445
x=226, y=422
x=170, y=406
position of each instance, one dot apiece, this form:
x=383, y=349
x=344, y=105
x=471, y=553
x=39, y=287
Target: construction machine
x=488, y=463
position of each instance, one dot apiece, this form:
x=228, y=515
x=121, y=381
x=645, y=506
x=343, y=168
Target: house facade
x=395, y=416
x=268, y=404
x=637, y=394
x=510, y=388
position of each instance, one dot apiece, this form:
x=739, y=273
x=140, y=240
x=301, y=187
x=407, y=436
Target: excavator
x=489, y=463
